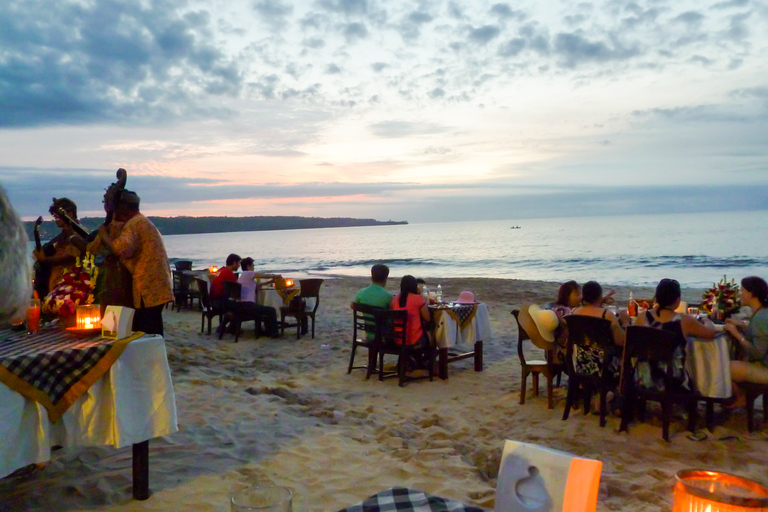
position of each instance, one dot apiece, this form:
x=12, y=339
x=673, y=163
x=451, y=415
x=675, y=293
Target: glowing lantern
x=213, y=269
x=88, y=317
x=288, y=283
x=710, y=491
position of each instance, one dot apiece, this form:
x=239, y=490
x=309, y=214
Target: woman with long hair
x=751, y=336
x=410, y=300
x=664, y=317
x=568, y=298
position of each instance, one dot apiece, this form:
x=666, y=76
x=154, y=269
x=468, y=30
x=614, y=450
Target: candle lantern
x=213, y=269
x=88, y=317
x=288, y=283
x=711, y=491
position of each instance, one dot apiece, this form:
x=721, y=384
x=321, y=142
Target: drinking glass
x=33, y=316
x=262, y=498
x=693, y=311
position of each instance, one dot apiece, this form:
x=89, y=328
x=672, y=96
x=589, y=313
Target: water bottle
x=439, y=294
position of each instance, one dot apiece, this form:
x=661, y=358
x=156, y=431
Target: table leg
x=443, y=363
x=141, y=470
x=479, y=356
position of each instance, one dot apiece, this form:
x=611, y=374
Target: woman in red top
x=410, y=300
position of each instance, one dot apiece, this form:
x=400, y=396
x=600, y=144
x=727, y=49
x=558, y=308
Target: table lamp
x=88, y=317
x=712, y=491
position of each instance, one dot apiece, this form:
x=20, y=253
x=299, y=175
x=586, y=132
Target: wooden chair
x=753, y=392
x=239, y=312
x=391, y=329
x=310, y=288
x=207, y=308
x=651, y=345
x=183, y=265
x=364, y=335
x=527, y=330
x=182, y=294
x=586, y=331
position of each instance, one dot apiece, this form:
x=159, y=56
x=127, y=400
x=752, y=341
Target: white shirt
x=248, y=289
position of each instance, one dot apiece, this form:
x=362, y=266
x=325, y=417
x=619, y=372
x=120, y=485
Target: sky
x=423, y=111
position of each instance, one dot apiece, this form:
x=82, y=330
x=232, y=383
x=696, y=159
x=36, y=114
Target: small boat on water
x=515, y=227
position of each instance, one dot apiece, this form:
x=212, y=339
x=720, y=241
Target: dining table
x=67, y=389
x=403, y=499
x=460, y=325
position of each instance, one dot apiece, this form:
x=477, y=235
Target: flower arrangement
x=73, y=289
x=723, y=296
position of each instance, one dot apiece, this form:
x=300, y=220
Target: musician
x=14, y=269
x=59, y=253
x=140, y=248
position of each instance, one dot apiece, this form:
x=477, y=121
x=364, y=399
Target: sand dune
x=286, y=412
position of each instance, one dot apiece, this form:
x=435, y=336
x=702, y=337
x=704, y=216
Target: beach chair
x=535, y=478
x=302, y=308
x=391, y=329
x=206, y=307
x=584, y=331
x=364, y=335
x=651, y=345
x=527, y=330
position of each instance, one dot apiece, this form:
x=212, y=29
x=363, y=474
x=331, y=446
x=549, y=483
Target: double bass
x=115, y=284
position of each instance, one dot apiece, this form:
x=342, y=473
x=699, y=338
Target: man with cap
x=140, y=248
x=59, y=253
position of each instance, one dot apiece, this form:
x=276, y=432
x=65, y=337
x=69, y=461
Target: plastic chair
x=651, y=345
x=527, y=330
x=536, y=479
x=364, y=335
x=208, y=310
x=588, y=331
x=391, y=329
x=310, y=289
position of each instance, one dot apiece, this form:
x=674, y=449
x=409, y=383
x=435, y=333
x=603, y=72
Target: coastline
x=286, y=412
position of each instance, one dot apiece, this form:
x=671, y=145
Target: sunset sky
x=406, y=110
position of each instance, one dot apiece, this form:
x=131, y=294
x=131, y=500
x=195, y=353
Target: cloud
x=345, y=6
x=274, y=12
x=74, y=63
x=751, y=92
x=697, y=114
x=504, y=11
x=355, y=32
x=379, y=66
x=689, y=17
x=484, y=34
x=576, y=50
x=332, y=69
x=731, y=4
x=398, y=129
x=512, y=47
x=410, y=26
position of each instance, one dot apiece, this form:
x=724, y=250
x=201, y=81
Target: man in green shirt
x=375, y=294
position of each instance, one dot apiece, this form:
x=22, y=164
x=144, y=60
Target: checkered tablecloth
x=287, y=294
x=55, y=367
x=399, y=499
x=462, y=314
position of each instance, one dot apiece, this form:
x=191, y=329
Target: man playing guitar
x=58, y=253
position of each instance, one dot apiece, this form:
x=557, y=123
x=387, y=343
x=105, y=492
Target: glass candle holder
x=712, y=491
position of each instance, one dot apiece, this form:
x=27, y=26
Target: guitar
x=76, y=226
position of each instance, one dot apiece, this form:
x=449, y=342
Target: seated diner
x=663, y=316
x=752, y=337
x=418, y=312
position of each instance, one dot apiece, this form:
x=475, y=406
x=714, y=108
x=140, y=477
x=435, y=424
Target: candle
x=711, y=491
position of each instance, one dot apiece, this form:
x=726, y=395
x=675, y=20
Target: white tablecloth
x=709, y=366
x=133, y=402
x=447, y=333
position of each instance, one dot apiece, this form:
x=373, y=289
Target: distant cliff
x=196, y=225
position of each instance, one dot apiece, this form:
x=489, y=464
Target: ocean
x=638, y=250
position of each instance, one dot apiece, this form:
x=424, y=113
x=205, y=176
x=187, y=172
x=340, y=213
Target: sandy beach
x=286, y=412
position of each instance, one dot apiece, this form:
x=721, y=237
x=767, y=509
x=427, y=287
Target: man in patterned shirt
x=140, y=248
